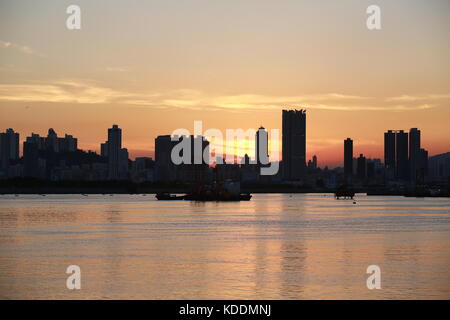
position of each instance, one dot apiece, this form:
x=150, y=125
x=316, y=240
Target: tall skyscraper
x=396, y=155
x=114, y=146
x=389, y=154
x=9, y=147
x=262, y=146
x=401, y=155
x=414, y=153
x=348, y=157
x=294, y=144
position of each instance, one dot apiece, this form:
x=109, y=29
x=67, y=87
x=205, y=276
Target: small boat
x=218, y=197
x=344, y=193
x=168, y=196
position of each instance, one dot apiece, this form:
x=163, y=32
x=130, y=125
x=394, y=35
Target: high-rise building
x=193, y=167
x=389, y=154
x=104, y=149
x=51, y=142
x=348, y=157
x=294, y=144
x=423, y=166
x=123, y=164
x=262, y=146
x=114, y=147
x=439, y=168
x=314, y=162
x=9, y=148
x=361, y=167
x=165, y=168
x=68, y=143
x=396, y=155
x=414, y=153
x=401, y=155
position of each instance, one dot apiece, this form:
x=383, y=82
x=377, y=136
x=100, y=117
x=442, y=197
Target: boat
x=168, y=196
x=344, y=193
x=223, y=191
x=218, y=197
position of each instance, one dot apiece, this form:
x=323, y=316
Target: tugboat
x=344, y=193
x=226, y=191
x=168, y=196
x=218, y=191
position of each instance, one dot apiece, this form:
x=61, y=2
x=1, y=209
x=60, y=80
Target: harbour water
x=276, y=246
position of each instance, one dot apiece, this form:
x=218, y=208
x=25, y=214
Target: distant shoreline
x=35, y=186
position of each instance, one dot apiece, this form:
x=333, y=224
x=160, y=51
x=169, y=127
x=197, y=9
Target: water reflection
x=274, y=246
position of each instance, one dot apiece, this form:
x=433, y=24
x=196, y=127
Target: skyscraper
x=389, y=154
x=165, y=168
x=114, y=146
x=361, y=167
x=51, y=142
x=401, y=155
x=396, y=155
x=9, y=147
x=348, y=157
x=262, y=146
x=414, y=153
x=294, y=144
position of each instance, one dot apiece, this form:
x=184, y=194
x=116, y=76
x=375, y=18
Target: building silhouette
x=361, y=167
x=294, y=144
x=9, y=150
x=439, y=168
x=114, y=151
x=262, y=146
x=165, y=168
x=314, y=162
x=401, y=155
x=58, y=159
x=389, y=154
x=194, y=167
x=414, y=154
x=348, y=158
x=396, y=155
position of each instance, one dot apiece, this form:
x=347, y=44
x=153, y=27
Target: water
x=276, y=246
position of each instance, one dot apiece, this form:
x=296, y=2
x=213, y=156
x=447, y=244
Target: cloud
x=20, y=48
x=116, y=69
x=88, y=92
x=409, y=98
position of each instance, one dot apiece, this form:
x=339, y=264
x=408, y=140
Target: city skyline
x=389, y=158
x=168, y=70
x=245, y=148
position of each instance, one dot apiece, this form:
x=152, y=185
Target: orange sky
x=155, y=67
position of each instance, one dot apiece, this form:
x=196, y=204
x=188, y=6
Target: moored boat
x=168, y=196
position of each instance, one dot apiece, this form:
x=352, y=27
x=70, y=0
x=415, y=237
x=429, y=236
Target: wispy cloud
x=428, y=97
x=116, y=69
x=88, y=92
x=21, y=48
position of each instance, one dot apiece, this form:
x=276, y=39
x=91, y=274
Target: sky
x=155, y=66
